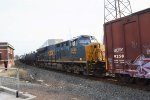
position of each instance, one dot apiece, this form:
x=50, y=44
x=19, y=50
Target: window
x=67, y=43
x=84, y=41
x=58, y=45
x=93, y=40
x=10, y=56
x=74, y=43
x=62, y=44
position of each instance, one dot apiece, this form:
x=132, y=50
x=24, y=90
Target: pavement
x=7, y=96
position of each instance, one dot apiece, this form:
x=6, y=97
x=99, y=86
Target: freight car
x=79, y=55
x=29, y=58
x=127, y=43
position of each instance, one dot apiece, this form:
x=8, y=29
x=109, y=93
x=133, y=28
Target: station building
x=6, y=54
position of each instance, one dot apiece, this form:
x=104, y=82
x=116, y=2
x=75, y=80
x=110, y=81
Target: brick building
x=6, y=53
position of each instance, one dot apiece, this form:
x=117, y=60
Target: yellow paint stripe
x=106, y=64
x=58, y=61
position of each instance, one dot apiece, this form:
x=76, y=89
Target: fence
x=9, y=77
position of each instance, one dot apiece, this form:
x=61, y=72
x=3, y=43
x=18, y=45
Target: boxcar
x=127, y=42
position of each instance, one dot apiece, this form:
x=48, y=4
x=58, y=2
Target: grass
x=8, y=73
x=1, y=66
x=23, y=73
x=12, y=73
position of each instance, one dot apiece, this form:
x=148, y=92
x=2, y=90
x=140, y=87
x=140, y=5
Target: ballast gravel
x=51, y=85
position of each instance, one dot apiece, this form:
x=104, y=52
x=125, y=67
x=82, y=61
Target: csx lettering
x=51, y=52
x=73, y=50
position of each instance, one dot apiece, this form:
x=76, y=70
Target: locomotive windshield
x=84, y=41
x=93, y=39
x=87, y=40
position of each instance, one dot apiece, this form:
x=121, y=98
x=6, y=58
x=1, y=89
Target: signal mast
x=114, y=9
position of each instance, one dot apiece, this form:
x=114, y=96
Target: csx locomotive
x=79, y=55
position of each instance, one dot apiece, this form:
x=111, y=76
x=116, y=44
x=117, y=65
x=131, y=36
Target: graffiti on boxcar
x=146, y=47
x=148, y=51
x=134, y=44
x=140, y=67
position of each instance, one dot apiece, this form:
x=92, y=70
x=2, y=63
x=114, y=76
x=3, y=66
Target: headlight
x=80, y=59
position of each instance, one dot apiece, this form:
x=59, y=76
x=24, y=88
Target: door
x=132, y=43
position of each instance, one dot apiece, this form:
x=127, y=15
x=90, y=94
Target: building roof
x=6, y=44
x=51, y=42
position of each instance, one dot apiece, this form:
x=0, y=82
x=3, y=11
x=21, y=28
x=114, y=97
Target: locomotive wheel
x=63, y=67
x=76, y=69
x=68, y=69
x=85, y=72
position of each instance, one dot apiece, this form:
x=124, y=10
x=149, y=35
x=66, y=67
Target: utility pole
x=114, y=9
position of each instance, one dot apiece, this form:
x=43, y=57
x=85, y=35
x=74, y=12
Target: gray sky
x=27, y=24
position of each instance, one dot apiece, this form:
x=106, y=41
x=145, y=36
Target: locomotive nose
x=94, y=52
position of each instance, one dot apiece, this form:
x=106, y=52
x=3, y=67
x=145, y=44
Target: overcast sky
x=27, y=24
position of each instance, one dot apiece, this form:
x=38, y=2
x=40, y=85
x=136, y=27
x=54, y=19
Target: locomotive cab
x=94, y=55
x=78, y=52
x=86, y=50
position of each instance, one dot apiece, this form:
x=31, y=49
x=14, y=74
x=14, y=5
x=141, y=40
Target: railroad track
x=140, y=85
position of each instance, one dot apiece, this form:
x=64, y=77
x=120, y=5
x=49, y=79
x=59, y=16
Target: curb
x=22, y=95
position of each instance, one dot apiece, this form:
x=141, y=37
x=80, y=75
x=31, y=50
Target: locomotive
x=79, y=55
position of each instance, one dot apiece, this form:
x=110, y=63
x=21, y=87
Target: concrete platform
x=7, y=96
x=10, y=94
